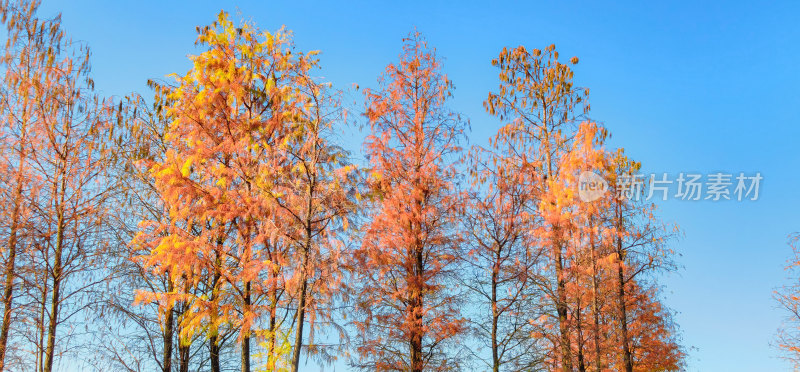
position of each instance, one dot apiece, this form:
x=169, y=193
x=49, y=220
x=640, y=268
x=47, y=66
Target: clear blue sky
x=698, y=87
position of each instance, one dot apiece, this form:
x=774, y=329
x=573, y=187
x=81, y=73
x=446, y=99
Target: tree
x=542, y=106
x=639, y=241
x=591, y=245
x=225, y=116
x=619, y=246
x=578, y=217
x=407, y=313
x=67, y=156
x=71, y=160
x=145, y=337
x=788, y=336
x=57, y=156
x=316, y=196
x=254, y=192
x=502, y=262
x=23, y=62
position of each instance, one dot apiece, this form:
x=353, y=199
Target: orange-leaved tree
x=254, y=193
x=500, y=268
x=227, y=118
x=638, y=243
x=145, y=335
x=70, y=158
x=542, y=108
x=597, y=245
x=24, y=62
x=56, y=151
x=407, y=310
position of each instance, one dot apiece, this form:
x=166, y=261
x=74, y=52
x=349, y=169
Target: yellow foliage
x=187, y=167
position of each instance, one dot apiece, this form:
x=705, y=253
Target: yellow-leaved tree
x=254, y=193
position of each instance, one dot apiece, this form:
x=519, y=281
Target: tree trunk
x=183, y=355
x=623, y=320
x=416, y=303
x=213, y=346
x=579, y=324
x=416, y=352
x=623, y=312
x=273, y=320
x=213, y=343
x=598, y=364
x=246, y=337
x=301, y=307
x=56, y=295
x=168, y=333
x=561, y=309
x=416, y=331
x=10, y=270
x=183, y=351
x=54, y=305
x=300, y=318
x=495, y=316
x=40, y=324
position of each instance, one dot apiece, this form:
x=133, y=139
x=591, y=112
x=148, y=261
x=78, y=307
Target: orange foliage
x=407, y=312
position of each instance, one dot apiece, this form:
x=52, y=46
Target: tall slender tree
x=501, y=265
x=542, y=107
x=72, y=160
x=408, y=313
x=24, y=62
x=60, y=123
x=145, y=337
x=640, y=249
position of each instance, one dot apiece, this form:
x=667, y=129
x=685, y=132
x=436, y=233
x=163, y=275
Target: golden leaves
x=186, y=169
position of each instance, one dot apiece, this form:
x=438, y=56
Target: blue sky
x=693, y=87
